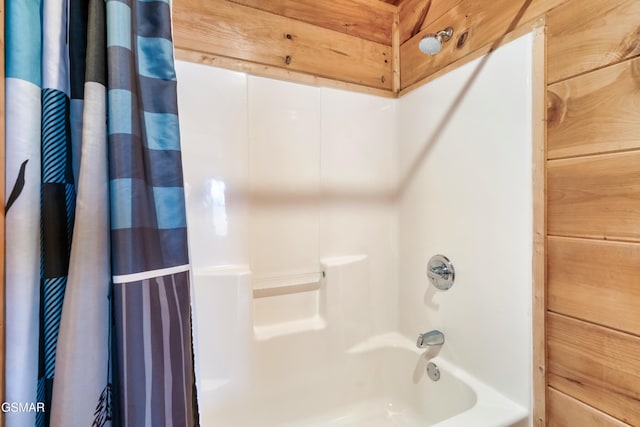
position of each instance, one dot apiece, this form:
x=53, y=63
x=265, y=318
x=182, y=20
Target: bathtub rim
x=492, y=408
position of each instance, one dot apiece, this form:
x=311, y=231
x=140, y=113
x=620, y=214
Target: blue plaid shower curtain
x=148, y=221
x=98, y=302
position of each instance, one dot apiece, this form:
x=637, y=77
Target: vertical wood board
x=539, y=225
x=395, y=47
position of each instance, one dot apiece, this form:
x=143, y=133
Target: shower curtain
x=98, y=309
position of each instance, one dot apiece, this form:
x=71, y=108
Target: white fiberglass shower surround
x=313, y=213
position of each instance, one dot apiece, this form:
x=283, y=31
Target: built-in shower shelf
x=286, y=283
x=300, y=303
x=275, y=330
x=287, y=304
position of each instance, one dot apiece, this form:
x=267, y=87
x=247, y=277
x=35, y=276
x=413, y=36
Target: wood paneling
x=345, y=16
x=276, y=72
x=595, y=281
x=222, y=28
x=564, y=411
x=539, y=227
x=485, y=23
x=596, y=197
x=415, y=14
x=395, y=49
x=596, y=112
x=593, y=213
x=590, y=34
x=478, y=53
x=595, y=365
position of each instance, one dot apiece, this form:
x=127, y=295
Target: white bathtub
x=379, y=382
x=326, y=372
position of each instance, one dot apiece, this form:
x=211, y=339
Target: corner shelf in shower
x=287, y=304
x=305, y=303
x=286, y=284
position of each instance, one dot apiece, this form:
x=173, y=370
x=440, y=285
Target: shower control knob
x=440, y=272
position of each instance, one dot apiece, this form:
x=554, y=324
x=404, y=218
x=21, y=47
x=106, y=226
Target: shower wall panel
x=465, y=144
x=281, y=175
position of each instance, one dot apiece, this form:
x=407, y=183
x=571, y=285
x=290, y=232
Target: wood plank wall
x=593, y=154
x=347, y=41
x=593, y=213
x=362, y=45
x=477, y=24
